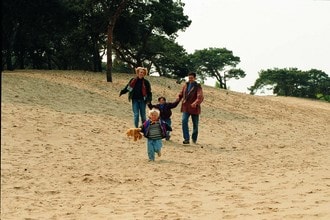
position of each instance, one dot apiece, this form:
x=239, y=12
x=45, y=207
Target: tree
x=218, y=63
x=171, y=59
x=281, y=81
x=115, y=8
x=293, y=82
x=37, y=34
x=29, y=31
x=140, y=30
x=318, y=84
x=10, y=26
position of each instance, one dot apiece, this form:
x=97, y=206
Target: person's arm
x=167, y=126
x=180, y=95
x=149, y=93
x=150, y=106
x=173, y=104
x=125, y=90
x=200, y=96
x=141, y=128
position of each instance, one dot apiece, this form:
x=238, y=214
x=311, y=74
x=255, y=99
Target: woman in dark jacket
x=140, y=93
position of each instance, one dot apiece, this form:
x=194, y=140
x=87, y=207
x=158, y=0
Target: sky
x=265, y=34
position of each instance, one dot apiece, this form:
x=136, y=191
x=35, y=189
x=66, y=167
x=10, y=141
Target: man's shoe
x=194, y=141
x=185, y=142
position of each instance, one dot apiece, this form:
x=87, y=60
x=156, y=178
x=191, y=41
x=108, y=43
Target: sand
x=65, y=154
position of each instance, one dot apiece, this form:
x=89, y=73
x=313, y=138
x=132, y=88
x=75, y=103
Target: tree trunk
x=109, y=52
x=9, y=61
x=224, y=82
x=97, y=62
x=111, y=26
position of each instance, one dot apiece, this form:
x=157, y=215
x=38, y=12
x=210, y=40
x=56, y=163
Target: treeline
x=77, y=34
x=72, y=34
x=313, y=84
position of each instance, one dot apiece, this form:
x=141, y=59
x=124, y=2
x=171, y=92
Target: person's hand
x=193, y=105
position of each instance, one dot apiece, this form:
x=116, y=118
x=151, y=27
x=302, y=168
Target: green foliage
x=218, y=63
x=121, y=67
x=71, y=34
x=171, y=59
x=293, y=82
x=32, y=29
x=145, y=33
x=217, y=84
x=41, y=36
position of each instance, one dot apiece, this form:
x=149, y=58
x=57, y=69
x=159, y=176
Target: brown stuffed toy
x=135, y=133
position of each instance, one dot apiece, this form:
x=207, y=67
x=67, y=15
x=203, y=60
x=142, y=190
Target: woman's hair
x=154, y=111
x=141, y=68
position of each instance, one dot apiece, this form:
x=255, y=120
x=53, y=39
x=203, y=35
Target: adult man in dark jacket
x=192, y=97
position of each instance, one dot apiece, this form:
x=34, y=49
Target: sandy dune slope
x=65, y=155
